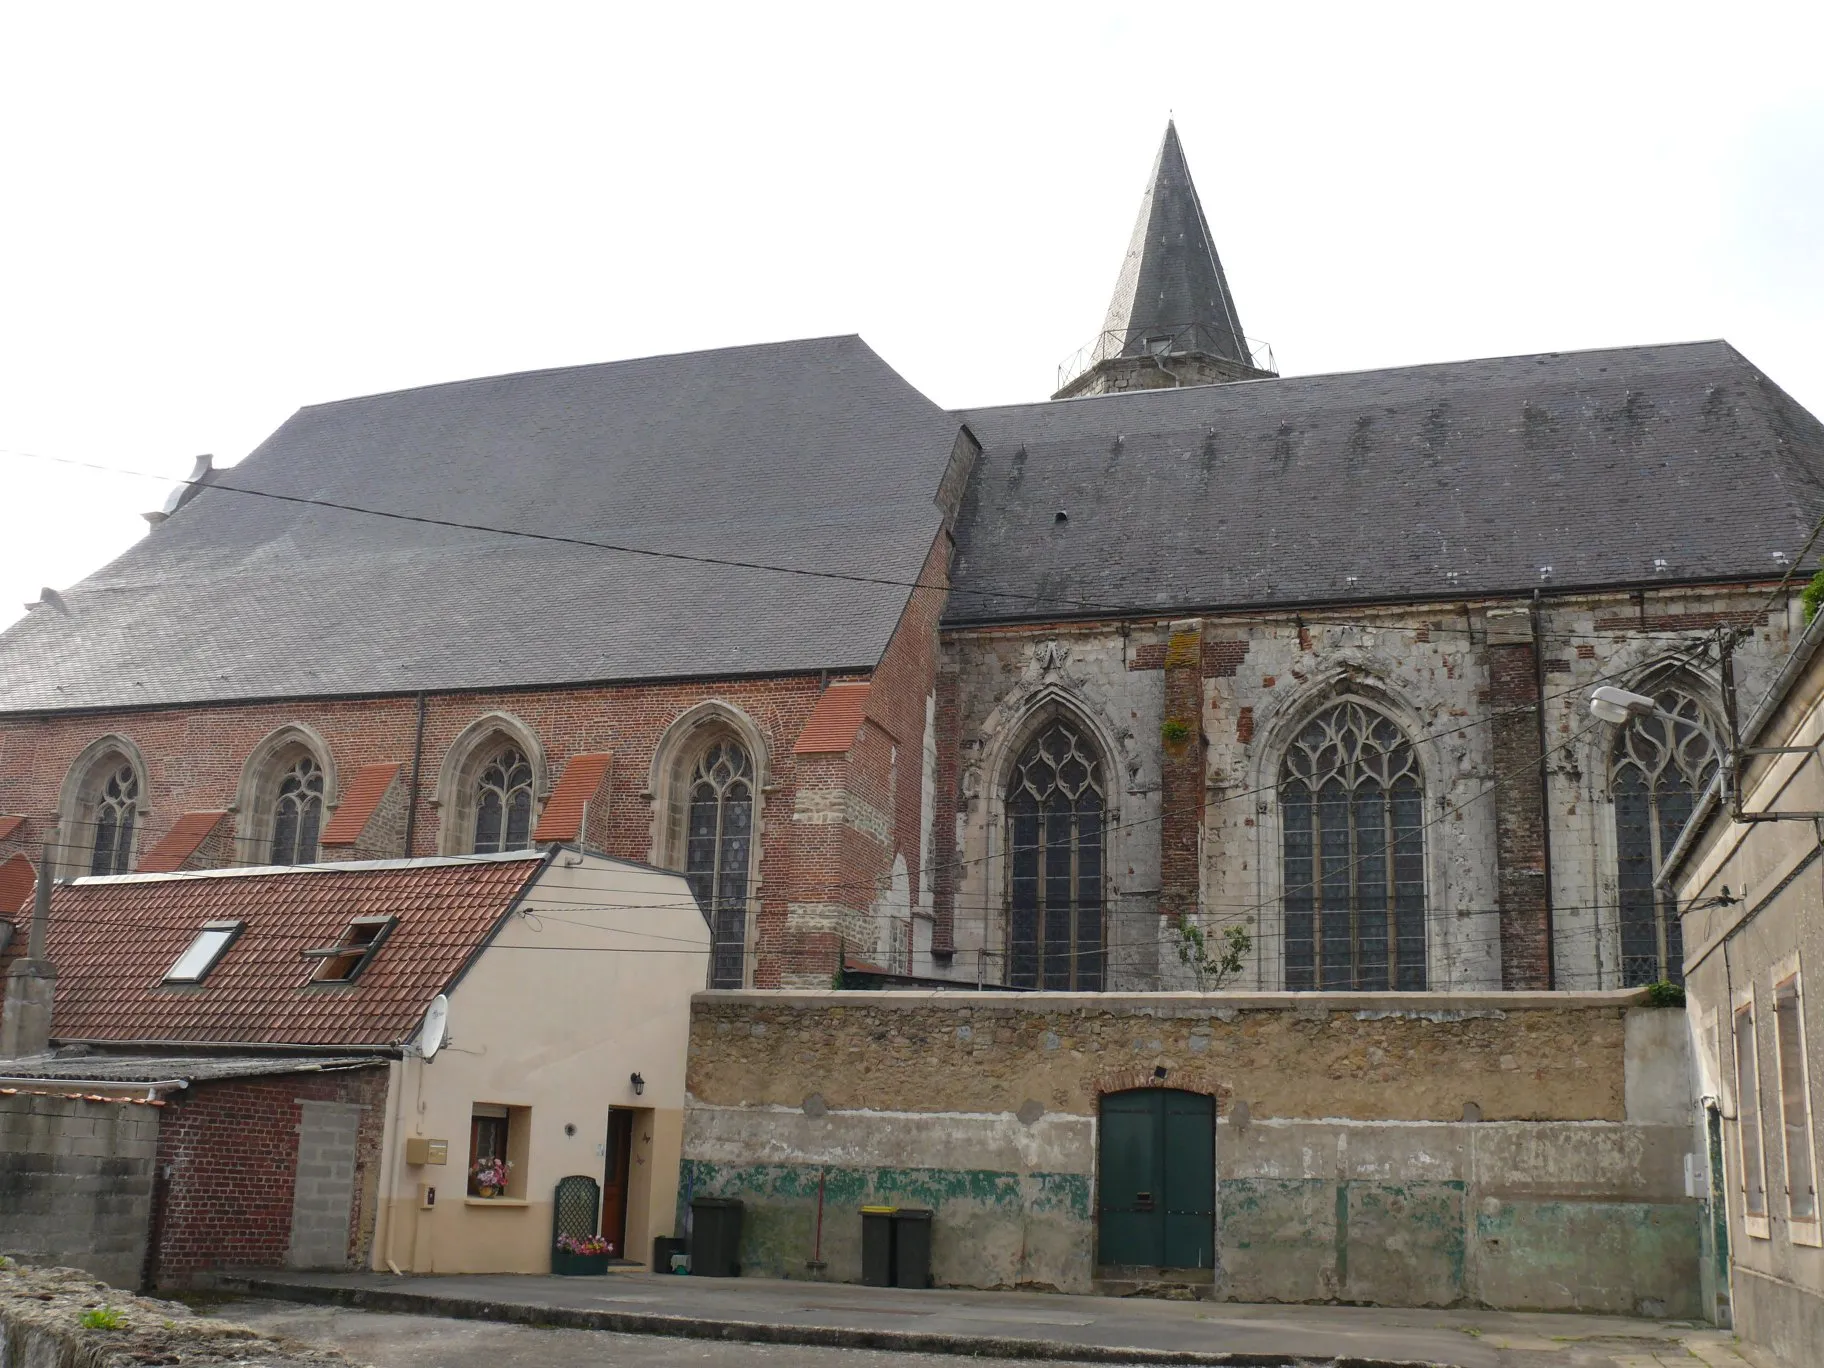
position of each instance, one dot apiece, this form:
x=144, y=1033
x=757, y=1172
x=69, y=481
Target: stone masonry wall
x=1514, y=1150
x=76, y=1182
x=1468, y=704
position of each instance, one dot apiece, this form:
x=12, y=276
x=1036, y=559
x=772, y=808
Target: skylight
x=341, y=962
x=195, y=963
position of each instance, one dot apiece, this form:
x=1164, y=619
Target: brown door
x=614, y=1180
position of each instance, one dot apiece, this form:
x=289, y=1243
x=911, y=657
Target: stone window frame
x=1276, y=735
x=256, y=795
x=683, y=742
x=1801, y=1230
x=1048, y=704
x=463, y=760
x=1651, y=679
x=1758, y=1225
x=80, y=794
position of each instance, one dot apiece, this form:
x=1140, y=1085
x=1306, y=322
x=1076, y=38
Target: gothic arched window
x=717, y=848
x=1055, y=811
x=1352, y=800
x=1658, y=769
x=115, y=808
x=297, y=813
x=503, y=803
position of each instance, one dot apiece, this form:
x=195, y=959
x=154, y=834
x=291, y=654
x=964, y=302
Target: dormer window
x=210, y=945
x=344, y=961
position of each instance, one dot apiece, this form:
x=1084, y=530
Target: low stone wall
x=1509, y=1150
x=76, y=1181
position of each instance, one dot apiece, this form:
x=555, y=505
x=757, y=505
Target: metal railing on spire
x=1163, y=343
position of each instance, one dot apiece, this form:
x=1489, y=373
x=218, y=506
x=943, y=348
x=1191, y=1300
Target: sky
x=211, y=215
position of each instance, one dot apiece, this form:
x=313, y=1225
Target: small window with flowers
x=497, y=1151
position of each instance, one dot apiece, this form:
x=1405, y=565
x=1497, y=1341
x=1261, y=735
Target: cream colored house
x=379, y=1034
x=1750, y=887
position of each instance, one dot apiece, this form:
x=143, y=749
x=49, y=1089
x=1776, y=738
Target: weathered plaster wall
x=1499, y=1149
x=1429, y=668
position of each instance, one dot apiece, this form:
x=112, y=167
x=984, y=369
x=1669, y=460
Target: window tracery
x=1352, y=804
x=503, y=803
x=718, y=849
x=1055, y=829
x=1659, y=767
x=116, y=809
x=297, y=813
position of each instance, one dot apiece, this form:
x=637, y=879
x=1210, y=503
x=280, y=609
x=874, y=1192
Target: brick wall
x=228, y=1163
x=1181, y=772
x=1520, y=863
x=76, y=1182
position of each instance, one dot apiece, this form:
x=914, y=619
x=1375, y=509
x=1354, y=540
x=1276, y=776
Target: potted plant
x=580, y=1256
x=490, y=1175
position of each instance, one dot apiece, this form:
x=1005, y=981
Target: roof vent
x=1061, y=518
x=1350, y=581
x=1661, y=564
x=1450, y=576
x=1545, y=573
x=200, y=472
x=49, y=598
x=1781, y=558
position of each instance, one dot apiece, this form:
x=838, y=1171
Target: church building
x=1047, y=696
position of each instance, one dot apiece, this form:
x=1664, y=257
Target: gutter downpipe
x=411, y=797
x=1545, y=796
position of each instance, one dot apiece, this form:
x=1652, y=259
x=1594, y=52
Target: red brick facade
x=227, y=1172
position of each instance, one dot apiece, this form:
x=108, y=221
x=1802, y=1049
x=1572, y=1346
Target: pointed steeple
x=1171, y=300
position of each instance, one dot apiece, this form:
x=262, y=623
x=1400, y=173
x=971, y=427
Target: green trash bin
x=715, y=1237
x=877, y=1245
x=911, y=1247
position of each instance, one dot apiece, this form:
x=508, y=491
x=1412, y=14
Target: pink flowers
x=492, y=1172
x=584, y=1244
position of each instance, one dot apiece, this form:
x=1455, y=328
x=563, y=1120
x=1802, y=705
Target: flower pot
x=487, y=1189
x=568, y=1265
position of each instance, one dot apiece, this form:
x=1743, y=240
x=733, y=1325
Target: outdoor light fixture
x=1159, y=1073
x=639, y=1084
x=1618, y=705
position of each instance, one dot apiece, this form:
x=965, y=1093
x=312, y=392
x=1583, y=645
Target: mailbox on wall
x=419, y=1150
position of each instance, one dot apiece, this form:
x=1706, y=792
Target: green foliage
x=1813, y=595
x=1665, y=993
x=1174, y=731
x=104, y=1318
x=1212, y=968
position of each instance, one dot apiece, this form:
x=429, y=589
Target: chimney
x=25, y=1024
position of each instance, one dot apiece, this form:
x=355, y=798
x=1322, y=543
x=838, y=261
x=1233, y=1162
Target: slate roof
x=1171, y=281
x=157, y=1068
x=1274, y=492
x=810, y=454
x=113, y=940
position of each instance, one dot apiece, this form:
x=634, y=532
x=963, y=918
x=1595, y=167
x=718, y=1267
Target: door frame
x=1157, y=1085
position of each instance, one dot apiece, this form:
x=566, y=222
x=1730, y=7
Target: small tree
x=1212, y=968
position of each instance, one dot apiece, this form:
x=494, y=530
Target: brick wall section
x=228, y=1165
x=383, y=836
x=1519, y=804
x=1181, y=772
x=76, y=1182
x=949, y=800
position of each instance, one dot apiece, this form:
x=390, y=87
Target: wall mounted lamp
x=639, y=1084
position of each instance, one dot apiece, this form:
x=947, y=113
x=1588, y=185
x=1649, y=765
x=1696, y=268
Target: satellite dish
x=436, y=1022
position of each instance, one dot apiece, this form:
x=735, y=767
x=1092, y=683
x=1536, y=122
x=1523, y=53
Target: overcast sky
x=213, y=214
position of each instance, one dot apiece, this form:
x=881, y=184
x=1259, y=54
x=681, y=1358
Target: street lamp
x=1618, y=705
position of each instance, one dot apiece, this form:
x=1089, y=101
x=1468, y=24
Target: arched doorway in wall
x=1156, y=1179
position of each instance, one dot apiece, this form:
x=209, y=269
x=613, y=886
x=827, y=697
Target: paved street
x=1464, y=1339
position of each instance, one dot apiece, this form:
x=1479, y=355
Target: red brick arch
x=1197, y=1078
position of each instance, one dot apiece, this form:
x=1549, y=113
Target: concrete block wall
x=76, y=1182
x=1519, y=1150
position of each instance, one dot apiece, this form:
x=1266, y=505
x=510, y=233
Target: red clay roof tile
x=113, y=940
x=17, y=879
x=180, y=843
x=835, y=720
x=359, y=800
x=562, y=819
x=10, y=824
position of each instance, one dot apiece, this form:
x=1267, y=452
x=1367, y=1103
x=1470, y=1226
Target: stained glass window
x=116, y=808
x=1055, y=818
x=718, y=848
x=1661, y=765
x=1352, y=802
x=297, y=813
x=503, y=803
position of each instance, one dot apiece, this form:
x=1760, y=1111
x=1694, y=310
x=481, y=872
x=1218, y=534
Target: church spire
x=1172, y=320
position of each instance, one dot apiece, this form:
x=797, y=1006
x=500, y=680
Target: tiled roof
x=810, y=456
x=562, y=818
x=17, y=879
x=1426, y=482
x=113, y=940
x=180, y=843
x=360, y=797
x=835, y=720
x=10, y=824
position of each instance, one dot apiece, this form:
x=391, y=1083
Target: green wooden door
x=1156, y=1179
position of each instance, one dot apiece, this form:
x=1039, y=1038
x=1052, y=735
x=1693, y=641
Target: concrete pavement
x=1022, y=1325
